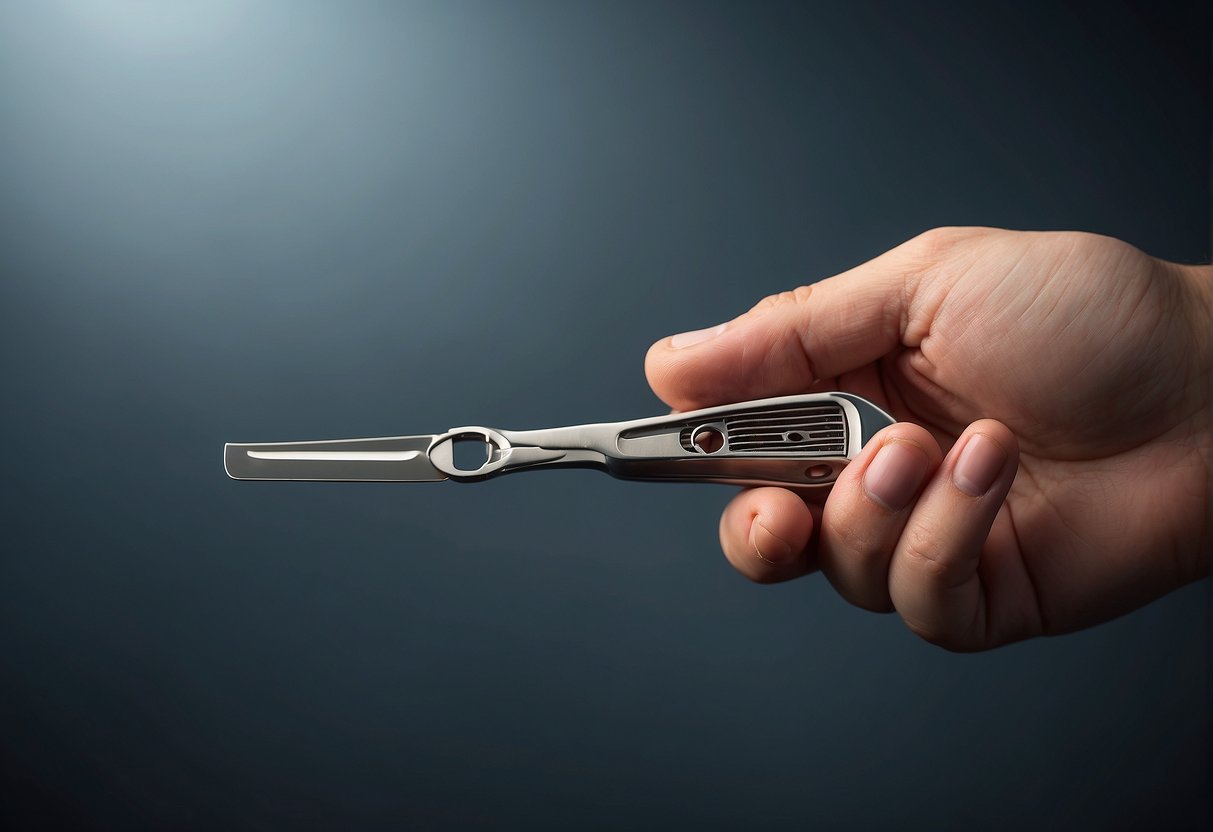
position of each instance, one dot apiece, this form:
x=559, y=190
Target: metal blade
x=382, y=459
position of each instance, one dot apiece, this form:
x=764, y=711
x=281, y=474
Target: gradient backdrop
x=252, y=221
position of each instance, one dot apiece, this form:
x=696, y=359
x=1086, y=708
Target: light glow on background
x=155, y=26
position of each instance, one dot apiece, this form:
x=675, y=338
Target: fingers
x=933, y=575
x=791, y=340
x=904, y=528
x=781, y=346
x=868, y=509
x=765, y=534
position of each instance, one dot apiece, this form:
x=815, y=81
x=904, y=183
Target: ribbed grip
x=794, y=430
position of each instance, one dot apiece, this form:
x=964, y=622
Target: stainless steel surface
x=381, y=459
x=802, y=441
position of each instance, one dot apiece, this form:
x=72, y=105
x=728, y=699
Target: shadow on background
x=273, y=221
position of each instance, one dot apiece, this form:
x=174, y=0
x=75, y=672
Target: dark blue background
x=294, y=220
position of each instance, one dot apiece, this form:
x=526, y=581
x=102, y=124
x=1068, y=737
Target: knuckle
x=855, y=558
x=1086, y=242
x=922, y=255
x=925, y=554
x=942, y=238
x=790, y=298
x=858, y=542
x=938, y=244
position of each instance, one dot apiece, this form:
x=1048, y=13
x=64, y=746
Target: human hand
x=1050, y=466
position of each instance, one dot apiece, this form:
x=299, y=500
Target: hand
x=1050, y=466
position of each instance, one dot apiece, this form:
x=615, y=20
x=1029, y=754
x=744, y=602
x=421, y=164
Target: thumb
x=790, y=341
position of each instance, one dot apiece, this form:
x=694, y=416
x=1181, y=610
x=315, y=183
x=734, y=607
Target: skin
x=1053, y=443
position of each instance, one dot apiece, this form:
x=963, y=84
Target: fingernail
x=698, y=336
x=774, y=550
x=896, y=474
x=981, y=461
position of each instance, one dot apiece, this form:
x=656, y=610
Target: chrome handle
x=792, y=440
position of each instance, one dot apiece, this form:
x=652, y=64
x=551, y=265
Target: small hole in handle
x=707, y=440
x=795, y=436
x=470, y=453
